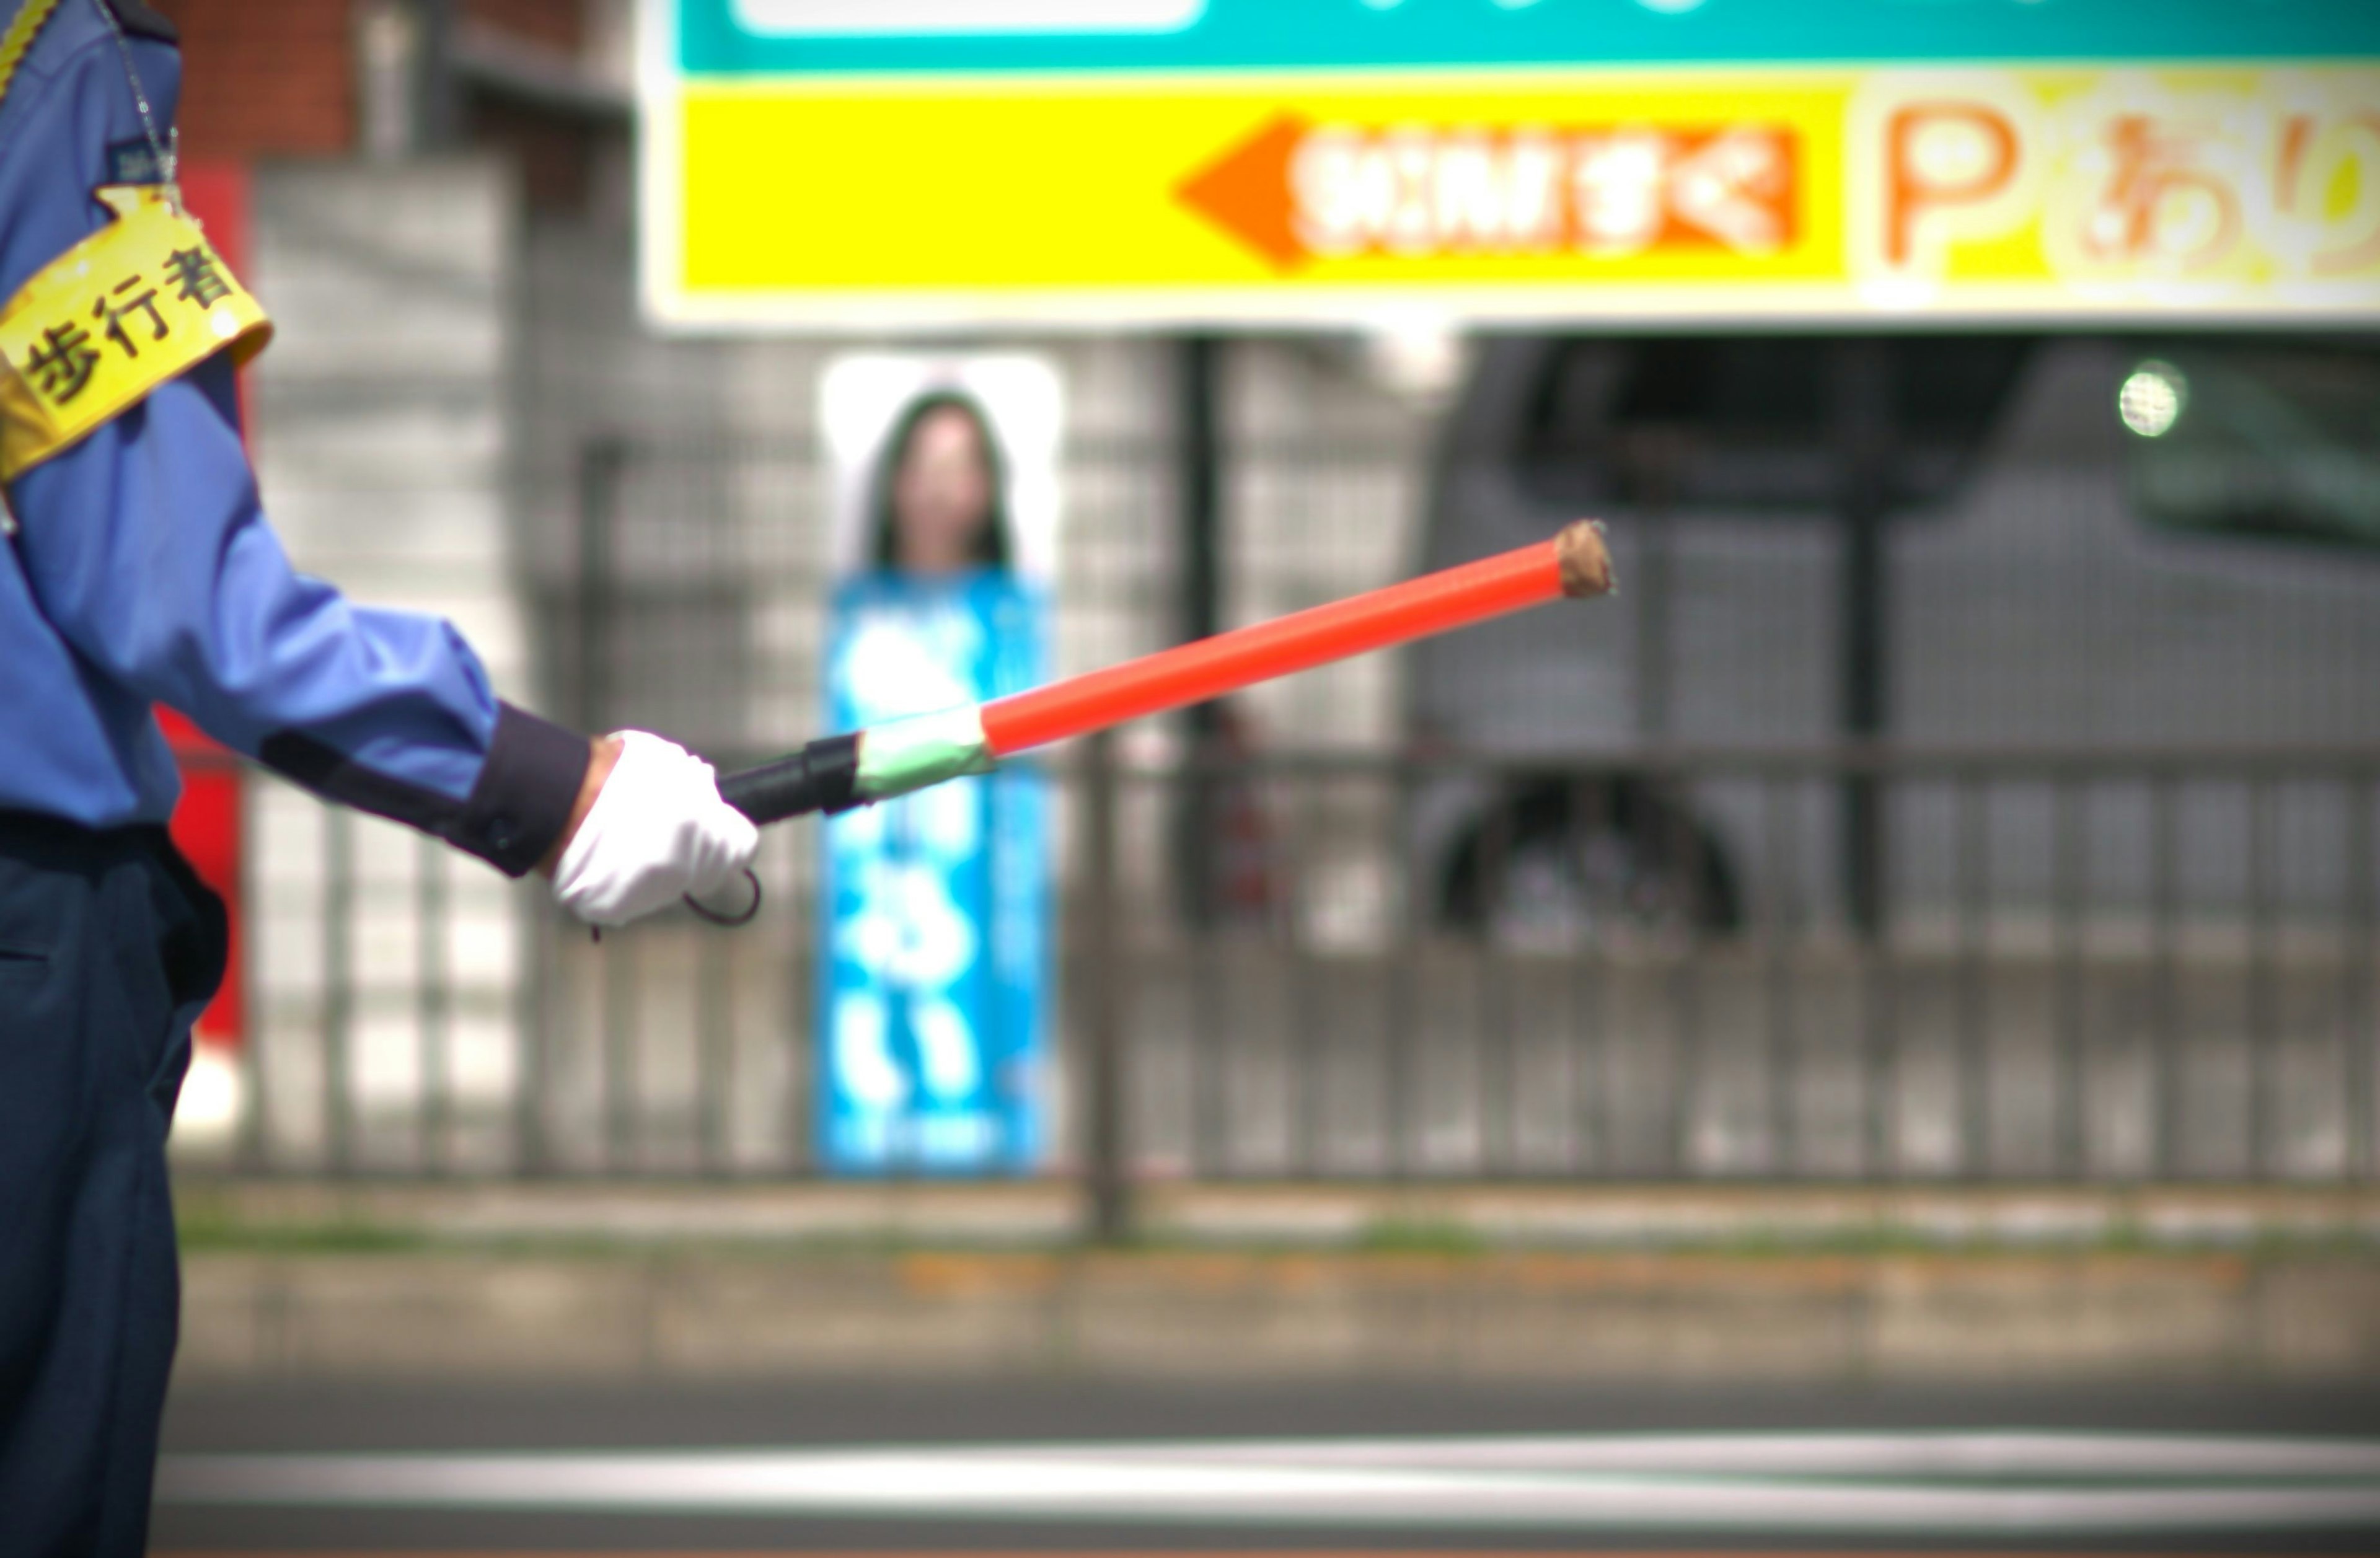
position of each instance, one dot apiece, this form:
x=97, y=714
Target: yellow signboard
x=1631, y=196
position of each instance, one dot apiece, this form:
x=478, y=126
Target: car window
x=1747, y=422
x=2267, y=438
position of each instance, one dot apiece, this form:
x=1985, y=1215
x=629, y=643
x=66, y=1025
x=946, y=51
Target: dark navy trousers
x=109, y=949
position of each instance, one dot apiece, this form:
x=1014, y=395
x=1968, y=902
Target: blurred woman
x=940, y=506
x=936, y=901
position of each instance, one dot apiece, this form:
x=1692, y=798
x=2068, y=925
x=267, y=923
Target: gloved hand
x=657, y=830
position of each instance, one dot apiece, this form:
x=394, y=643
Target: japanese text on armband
x=133, y=305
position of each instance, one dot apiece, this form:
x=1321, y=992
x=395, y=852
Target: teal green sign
x=972, y=37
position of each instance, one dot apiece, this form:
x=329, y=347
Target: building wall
x=381, y=427
x=559, y=24
x=265, y=77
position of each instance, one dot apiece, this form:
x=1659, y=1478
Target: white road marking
x=1914, y=1454
x=2001, y=1483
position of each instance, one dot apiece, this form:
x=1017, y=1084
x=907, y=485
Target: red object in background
x=218, y=194
x=207, y=830
x=207, y=824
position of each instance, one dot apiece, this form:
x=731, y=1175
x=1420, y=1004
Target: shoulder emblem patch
x=140, y=301
x=133, y=162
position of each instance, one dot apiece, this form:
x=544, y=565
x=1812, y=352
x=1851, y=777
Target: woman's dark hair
x=991, y=547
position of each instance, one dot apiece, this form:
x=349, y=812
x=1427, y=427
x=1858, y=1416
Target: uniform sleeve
x=146, y=550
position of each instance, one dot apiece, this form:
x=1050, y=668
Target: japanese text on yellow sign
x=137, y=303
x=1630, y=195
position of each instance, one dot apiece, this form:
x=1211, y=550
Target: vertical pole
x=255, y=1120
x=2165, y=1140
x=1200, y=453
x=1198, y=478
x=714, y=1076
x=338, y=989
x=1780, y=815
x=437, y=108
x=1653, y=456
x=2069, y=888
x=1309, y=1051
x=1491, y=1051
x=1399, y=1035
x=1975, y=987
x=805, y=966
x=531, y=1021
x=1602, y=1063
x=2362, y=1001
x=1863, y=425
x=621, y=1114
x=2264, y=999
x=601, y=462
x=1880, y=1002
x=1684, y=978
x=1102, y=943
x=430, y=997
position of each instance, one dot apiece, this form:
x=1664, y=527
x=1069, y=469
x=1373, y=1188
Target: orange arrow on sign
x=1294, y=192
x=1245, y=191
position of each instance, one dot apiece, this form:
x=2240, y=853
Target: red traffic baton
x=861, y=767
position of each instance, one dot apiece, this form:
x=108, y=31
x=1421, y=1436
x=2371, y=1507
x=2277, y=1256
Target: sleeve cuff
x=528, y=784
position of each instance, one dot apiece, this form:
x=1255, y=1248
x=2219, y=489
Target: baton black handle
x=823, y=776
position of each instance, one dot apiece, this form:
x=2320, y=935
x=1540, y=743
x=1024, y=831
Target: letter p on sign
x=1941, y=157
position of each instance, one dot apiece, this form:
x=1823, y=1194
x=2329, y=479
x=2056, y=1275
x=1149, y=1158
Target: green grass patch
x=1408, y=1236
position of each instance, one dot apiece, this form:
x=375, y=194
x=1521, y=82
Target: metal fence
x=2063, y=961
x=682, y=583
x=2141, y=964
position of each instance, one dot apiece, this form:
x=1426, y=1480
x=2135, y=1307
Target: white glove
x=657, y=830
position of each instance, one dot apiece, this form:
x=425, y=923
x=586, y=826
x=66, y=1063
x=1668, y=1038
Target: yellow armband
x=131, y=306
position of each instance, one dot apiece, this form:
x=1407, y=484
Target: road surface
x=1088, y=1467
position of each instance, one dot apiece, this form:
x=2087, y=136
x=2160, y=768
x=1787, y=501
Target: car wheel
x=1552, y=864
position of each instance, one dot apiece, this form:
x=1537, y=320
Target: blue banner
x=931, y=1015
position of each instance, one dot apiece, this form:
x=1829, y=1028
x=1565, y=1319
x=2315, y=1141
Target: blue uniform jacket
x=142, y=570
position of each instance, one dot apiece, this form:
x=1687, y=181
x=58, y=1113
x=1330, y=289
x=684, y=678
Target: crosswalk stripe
x=1935, y=1484
x=1799, y=1552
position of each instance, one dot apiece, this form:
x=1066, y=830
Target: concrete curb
x=1543, y=1316
x=1039, y=1214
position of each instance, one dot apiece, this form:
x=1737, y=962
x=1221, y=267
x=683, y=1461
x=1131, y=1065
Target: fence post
x=1198, y=474
x=432, y=1005
x=603, y=465
x=339, y=990
x=255, y=1142
x=1865, y=451
x=1106, y=1171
